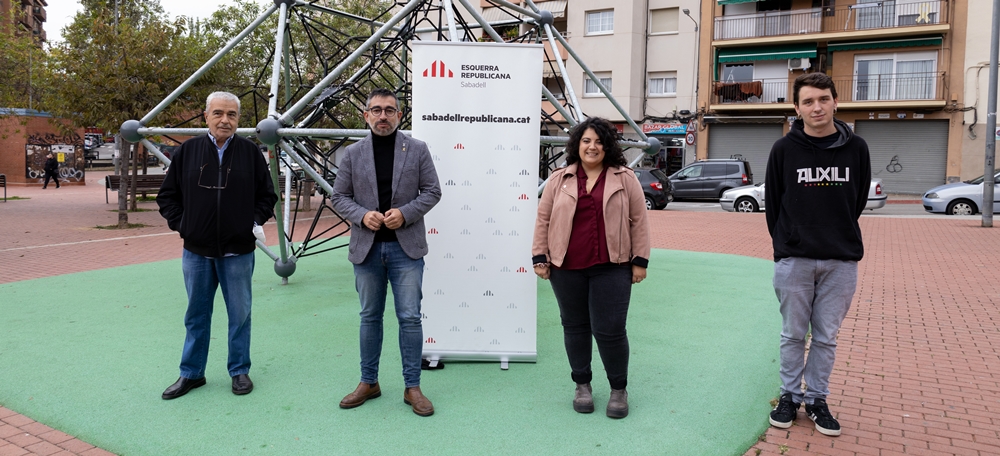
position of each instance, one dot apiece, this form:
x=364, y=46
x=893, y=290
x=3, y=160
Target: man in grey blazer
x=385, y=185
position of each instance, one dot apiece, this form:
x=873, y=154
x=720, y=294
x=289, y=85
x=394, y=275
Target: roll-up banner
x=477, y=106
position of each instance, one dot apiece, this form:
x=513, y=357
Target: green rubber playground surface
x=90, y=353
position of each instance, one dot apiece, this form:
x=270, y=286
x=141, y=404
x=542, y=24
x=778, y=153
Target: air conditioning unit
x=799, y=64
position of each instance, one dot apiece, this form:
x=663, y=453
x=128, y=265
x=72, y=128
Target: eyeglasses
x=213, y=187
x=377, y=111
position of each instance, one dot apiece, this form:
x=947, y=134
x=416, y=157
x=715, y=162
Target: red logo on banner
x=522, y=197
x=438, y=70
x=432, y=231
x=430, y=340
x=459, y=146
x=521, y=269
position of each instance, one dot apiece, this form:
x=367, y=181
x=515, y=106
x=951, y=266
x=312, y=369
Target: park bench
x=144, y=183
x=3, y=183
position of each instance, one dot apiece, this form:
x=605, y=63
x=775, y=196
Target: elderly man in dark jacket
x=216, y=192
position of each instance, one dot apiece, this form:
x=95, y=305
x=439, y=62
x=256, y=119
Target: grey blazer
x=415, y=190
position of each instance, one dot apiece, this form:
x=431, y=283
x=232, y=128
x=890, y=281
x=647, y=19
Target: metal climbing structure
x=316, y=79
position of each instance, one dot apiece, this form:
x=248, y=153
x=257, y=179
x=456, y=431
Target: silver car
x=961, y=198
x=750, y=198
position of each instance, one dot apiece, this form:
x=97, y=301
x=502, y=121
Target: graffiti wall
x=67, y=149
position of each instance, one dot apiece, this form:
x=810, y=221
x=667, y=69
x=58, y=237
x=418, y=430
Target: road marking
x=125, y=238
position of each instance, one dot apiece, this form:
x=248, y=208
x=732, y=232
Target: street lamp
x=697, y=52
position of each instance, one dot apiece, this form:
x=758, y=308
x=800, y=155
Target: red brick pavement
x=918, y=371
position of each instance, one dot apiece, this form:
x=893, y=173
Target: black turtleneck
x=385, y=151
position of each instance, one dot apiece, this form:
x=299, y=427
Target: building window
x=663, y=84
x=663, y=20
x=600, y=22
x=590, y=88
x=898, y=76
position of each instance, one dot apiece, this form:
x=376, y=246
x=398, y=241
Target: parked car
x=656, y=187
x=750, y=198
x=961, y=198
x=711, y=178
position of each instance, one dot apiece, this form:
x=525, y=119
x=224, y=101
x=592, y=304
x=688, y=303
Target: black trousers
x=53, y=176
x=593, y=303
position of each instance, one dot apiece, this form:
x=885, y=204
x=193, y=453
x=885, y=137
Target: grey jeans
x=816, y=294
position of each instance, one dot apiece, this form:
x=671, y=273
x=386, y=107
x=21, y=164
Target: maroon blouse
x=588, y=242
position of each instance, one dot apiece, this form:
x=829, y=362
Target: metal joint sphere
x=130, y=131
x=285, y=269
x=286, y=2
x=267, y=131
x=654, y=146
x=545, y=18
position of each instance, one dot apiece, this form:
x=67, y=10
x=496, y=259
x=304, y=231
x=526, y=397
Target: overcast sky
x=61, y=12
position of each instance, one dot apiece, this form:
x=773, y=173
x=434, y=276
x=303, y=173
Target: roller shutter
x=752, y=141
x=910, y=156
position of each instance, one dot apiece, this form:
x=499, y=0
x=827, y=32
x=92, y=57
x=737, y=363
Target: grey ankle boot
x=583, y=401
x=618, y=404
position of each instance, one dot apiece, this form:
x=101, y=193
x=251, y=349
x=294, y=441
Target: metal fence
x=862, y=16
x=877, y=87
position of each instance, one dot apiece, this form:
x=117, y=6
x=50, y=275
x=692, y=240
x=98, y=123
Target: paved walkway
x=918, y=367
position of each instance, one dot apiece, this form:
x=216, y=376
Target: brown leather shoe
x=363, y=392
x=421, y=405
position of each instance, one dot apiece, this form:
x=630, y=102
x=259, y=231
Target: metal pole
x=208, y=65
x=279, y=45
x=991, y=121
x=479, y=18
x=565, y=75
x=452, y=32
x=286, y=118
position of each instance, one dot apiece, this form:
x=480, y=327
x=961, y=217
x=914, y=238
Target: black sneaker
x=826, y=424
x=784, y=413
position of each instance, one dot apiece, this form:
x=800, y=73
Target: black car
x=711, y=178
x=655, y=186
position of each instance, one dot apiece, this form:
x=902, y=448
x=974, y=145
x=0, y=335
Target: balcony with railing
x=913, y=88
x=850, y=18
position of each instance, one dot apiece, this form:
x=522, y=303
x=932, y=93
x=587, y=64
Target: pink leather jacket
x=624, y=217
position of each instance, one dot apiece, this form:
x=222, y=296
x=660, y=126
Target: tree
x=21, y=70
x=118, y=60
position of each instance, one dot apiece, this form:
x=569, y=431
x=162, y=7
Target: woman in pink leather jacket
x=592, y=242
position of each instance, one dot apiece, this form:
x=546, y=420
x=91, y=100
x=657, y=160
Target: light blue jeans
x=202, y=277
x=816, y=294
x=386, y=263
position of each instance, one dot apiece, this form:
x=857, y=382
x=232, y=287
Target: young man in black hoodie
x=216, y=194
x=817, y=187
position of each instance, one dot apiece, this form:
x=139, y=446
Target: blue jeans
x=593, y=304
x=387, y=263
x=202, y=277
x=813, y=294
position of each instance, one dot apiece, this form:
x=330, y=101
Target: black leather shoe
x=182, y=386
x=242, y=385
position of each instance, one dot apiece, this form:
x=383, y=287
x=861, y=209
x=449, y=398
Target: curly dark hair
x=606, y=133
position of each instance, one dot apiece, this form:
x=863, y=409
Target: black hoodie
x=814, y=196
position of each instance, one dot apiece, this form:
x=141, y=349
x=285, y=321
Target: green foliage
x=108, y=70
x=21, y=65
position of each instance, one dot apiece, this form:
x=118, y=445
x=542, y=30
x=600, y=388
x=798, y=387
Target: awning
x=556, y=7
x=494, y=14
x=880, y=44
x=791, y=51
x=733, y=2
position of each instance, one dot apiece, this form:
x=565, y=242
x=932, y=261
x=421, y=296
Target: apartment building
x=643, y=51
x=976, y=76
x=31, y=18
x=899, y=69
